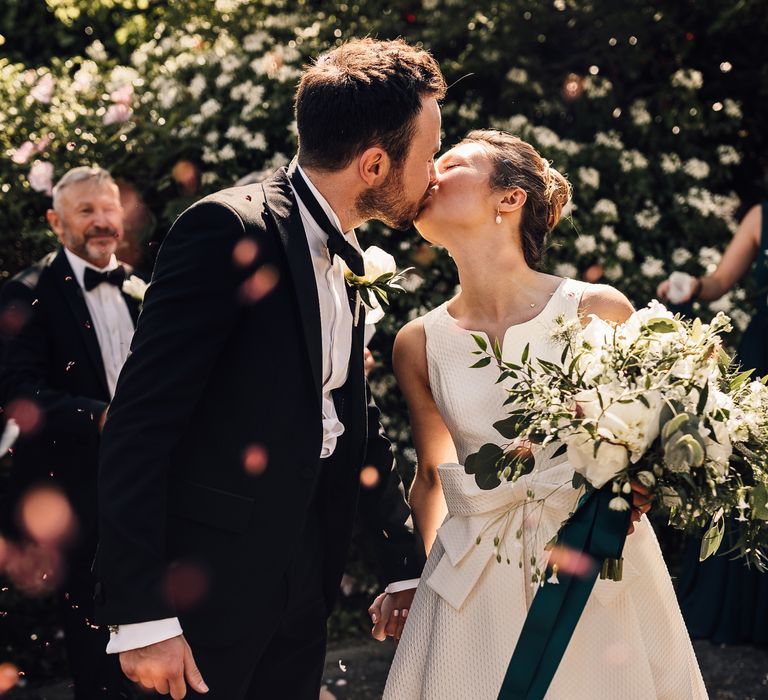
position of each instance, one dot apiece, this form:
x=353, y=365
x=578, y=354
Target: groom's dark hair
x=363, y=93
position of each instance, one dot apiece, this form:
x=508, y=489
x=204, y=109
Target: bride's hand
x=389, y=613
x=641, y=503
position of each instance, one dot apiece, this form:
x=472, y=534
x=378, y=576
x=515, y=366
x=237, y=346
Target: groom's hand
x=163, y=667
x=389, y=613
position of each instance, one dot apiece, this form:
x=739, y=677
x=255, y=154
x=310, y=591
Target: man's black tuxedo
x=218, y=366
x=51, y=357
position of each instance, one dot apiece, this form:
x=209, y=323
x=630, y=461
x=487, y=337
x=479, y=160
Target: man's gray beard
x=387, y=204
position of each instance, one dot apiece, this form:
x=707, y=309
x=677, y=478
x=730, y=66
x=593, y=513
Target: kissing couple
x=231, y=457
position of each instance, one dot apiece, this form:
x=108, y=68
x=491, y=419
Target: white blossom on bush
x=696, y=168
x=649, y=217
x=566, y=270
x=709, y=258
x=624, y=251
x=688, y=79
x=639, y=113
x=670, y=162
x=585, y=244
x=606, y=209
x=632, y=160
x=589, y=177
x=728, y=155
x=680, y=256
x=652, y=267
x=732, y=108
x=517, y=75
x=608, y=233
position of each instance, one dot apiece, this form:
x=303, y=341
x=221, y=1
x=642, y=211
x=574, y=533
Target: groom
x=232, y=452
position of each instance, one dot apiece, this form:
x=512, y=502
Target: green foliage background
x=655, y=111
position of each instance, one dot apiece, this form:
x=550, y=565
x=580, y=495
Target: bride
x=494, y=201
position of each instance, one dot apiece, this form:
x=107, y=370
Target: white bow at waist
x=471, y=510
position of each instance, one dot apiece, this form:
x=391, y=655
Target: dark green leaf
x=480, y=341
x=483, y=362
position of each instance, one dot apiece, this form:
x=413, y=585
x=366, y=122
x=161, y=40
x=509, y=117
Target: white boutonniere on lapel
x=373, y=289
x=135, y=287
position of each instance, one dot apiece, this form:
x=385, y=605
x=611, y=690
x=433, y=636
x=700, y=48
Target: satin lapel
x=74, y=295
x=281, y=205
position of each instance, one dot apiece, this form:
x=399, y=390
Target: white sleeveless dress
x=630, y=643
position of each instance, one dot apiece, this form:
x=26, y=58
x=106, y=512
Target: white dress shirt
x=336, y=321
x=110, y=317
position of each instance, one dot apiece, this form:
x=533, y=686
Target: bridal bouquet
x=654, y=400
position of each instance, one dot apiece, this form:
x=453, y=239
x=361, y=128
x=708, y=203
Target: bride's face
x=461, y=200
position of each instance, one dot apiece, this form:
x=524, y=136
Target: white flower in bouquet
x=718, y=446
x=596, y=466
x=631, y=423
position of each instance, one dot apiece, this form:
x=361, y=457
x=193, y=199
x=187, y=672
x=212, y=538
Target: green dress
x=722, y=600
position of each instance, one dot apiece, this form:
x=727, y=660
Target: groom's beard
x=387, y=204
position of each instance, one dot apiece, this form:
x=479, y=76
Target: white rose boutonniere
x=381, y=278
x=135, y=287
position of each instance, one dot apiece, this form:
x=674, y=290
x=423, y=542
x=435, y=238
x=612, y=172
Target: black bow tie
x=337, y=244
x=93, y=278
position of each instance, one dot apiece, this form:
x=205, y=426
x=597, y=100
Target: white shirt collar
x=350, y=235
x=78, y=265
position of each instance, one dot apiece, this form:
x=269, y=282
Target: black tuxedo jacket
x=51, y=357
x=227, y=358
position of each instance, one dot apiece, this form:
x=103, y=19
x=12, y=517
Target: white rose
x=597, y=332
x=377, y=263
x=135, y=287
x=633, y=423
x=598, y=469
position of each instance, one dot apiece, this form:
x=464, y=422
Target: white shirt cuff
x=142, y=634
x=398, y=586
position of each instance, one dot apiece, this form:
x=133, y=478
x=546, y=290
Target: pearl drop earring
x=498, y=216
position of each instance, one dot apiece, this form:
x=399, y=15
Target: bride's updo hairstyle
x=518, y=164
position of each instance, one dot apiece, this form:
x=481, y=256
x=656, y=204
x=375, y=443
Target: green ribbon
x=598, y=532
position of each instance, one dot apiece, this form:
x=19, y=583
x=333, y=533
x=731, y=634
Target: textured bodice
x=469, y=400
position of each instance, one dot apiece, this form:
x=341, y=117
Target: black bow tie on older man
x=93, y=278
x=337, y=244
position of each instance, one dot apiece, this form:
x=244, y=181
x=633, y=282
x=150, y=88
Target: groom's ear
x=373, y=166
x=513, y=199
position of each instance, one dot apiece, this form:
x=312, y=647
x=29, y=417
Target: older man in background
x=68, y=322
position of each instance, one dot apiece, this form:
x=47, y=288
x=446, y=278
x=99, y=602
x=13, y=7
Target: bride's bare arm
x=430, y=435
